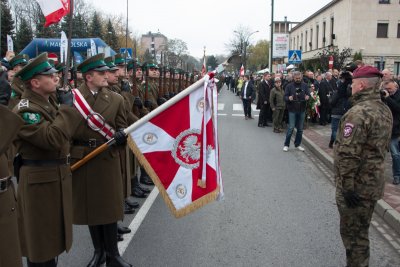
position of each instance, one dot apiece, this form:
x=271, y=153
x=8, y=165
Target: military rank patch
x=348, y=129
x=23, y=103
x=31, y=118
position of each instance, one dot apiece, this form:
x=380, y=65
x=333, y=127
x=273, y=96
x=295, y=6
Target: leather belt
x=91, y=143
x=4, y=184
x=47, y=162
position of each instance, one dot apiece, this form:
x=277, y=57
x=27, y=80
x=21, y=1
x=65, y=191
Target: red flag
x=54, y=10
x=242, y=70
x=178, y=146
x=203, y=68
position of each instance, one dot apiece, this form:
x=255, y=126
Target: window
x=384, y=1
x=323, y=33
x=332, y=34
x=378, y=65
x=306, y=43
x=298, y=42
x=398, y=30
x=301, y=42
x=316, y=42
x=396, y=68
x=311, y=38
x=382, y=30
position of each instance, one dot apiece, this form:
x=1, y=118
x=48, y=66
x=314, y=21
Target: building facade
x=155, y=42
x=371, y=27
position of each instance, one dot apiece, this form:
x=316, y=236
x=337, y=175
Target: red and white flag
x=203, y=68
x=177, y=144
x=242, y=70
x=54, y=10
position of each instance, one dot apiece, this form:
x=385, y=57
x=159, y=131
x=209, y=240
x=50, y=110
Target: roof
x=327, y=6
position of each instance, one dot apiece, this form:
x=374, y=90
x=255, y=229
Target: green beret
x=95, y=63
x=110, y=64
x=38, y=66
x=22, y=59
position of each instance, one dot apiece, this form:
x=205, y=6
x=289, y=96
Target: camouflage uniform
x=359, y=155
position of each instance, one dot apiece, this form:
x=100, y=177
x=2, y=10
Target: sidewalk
x=316, y=138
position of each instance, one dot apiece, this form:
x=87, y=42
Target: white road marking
x=242, y=115
x=237, y=107
x=221, y=106
x=222, y=114
x=137, y=221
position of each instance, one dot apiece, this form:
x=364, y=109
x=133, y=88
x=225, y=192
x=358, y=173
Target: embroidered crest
x=180, y=191
x=200, y=105
x=31, y=118
x=186, y=150
x=150, y=138
x=13, y=94
x=23, y=103
x=348, y=130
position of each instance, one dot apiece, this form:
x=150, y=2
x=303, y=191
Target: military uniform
x=359, y=154
x=45, y=185
x=17, y=84
x=97, y=185
x=10, y=252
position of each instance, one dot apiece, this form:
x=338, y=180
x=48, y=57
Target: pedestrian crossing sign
x=294, y=56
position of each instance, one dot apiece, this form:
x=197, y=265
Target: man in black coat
x=391, y=95
x=325, y=91
x=264, y=90
x=246, y=96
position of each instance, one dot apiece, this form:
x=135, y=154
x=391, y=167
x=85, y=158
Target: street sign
x=294, y=56
x=122, y=51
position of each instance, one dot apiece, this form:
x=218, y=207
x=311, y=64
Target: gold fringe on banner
x=210, y=197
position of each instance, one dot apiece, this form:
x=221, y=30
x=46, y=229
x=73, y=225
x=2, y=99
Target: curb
x=383, y=209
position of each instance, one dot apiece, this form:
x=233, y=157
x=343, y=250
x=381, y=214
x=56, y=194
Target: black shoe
x=127, y=209
x=119, y=238
x=260, y=125
x=111, y=246
x=123, y=230
x=331, y=144
x=132, y=204
x=99, y=255
x=144, y=189
x=49, y=263
x=137, y=192
x=144, y=178
x=267, y=125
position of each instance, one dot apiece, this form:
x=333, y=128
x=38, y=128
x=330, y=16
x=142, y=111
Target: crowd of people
x=49, y=128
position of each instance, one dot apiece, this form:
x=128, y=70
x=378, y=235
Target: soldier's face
x=153, y=73
x=46, y=84
x=139, y=72
x=357, y=85
x=97, y=79
x=167, y=75
x=121, y=71
x=112, y=77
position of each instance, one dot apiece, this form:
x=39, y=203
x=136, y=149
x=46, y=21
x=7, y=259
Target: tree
x=258, y=56
x=95, y=28
x=111, y=39
x=212, y=62
x=340, y=58
x=147, y=56
x=53, y=31
x=24, y=35
x=7, y=25
x=357, y=56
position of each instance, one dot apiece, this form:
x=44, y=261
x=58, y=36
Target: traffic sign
x=122, y=51
x=294, y=56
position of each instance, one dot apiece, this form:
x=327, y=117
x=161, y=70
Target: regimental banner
x=280, y=45
x=54, y=10
x=10, y=43
x=177, y=144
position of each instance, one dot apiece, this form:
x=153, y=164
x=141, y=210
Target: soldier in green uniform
x=359, y=155
x=97, y=185
x=45, y=185
x=10, y=251
x=17, y=63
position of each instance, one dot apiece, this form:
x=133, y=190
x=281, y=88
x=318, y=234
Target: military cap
x=134, y=62
x=52, y=63
x=119, y=59
x=38, y=66
x=60, y=66
x=95, y=63
x=178, y=71
x=366, y=72
x=22, y=59
x=110, y=64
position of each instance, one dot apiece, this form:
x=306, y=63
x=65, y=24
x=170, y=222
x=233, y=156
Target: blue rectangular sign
x=294, y=56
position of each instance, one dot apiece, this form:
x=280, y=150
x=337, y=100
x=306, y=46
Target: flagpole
x=166, y=105
x=68, y=61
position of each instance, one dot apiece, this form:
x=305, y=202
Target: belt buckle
x=68, y=160
x=3, y=184
x=92, y=143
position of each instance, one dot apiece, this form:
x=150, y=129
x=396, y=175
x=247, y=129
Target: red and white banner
x=177, y=144
x=203, y=68
x=242, y=70
x=54, y=10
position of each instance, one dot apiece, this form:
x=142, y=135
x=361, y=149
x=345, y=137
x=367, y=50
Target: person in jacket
x=359, y=155
x=296, y=95
x=325, y=91
x=264, y=90
x=246, y=96
x=339, y=103
x=277, y=100
x=391, y=94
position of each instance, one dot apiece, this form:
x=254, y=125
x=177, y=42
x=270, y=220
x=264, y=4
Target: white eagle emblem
x=190, y=148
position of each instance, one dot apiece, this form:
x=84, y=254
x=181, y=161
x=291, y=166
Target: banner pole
x=68, y=60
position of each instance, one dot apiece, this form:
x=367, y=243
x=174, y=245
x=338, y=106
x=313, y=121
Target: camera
x=383, y=93
x=298, y=91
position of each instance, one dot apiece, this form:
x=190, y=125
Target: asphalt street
x=279, y=210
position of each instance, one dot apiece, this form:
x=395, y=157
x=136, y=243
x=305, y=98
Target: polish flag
x=203, y=68
x=177, y=144
x=54, y=10
x=242, y=70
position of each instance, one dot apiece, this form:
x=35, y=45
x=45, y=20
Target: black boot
x=331, y=144
x=99, y=256
x=123, y=230
x=144, y=177
x=132, y=204
x=50, y=263
x=135, y=183
x=110, y=238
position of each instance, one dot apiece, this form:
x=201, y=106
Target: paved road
x=279, y=210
